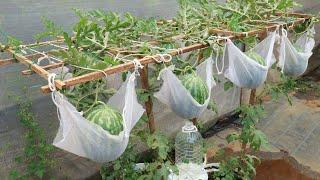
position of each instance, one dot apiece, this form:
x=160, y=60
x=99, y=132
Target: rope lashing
x=51, y=84
x=162, y=58
x=137, y=66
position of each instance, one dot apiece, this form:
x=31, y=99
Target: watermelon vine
x=104, y=39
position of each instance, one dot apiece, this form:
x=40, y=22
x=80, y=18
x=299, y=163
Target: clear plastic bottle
x=189, y=145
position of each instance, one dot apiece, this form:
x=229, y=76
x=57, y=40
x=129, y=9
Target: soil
x=278, y=170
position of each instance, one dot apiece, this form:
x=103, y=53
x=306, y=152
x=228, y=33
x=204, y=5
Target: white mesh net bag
x=84, y=138
x=245, y=71
x=293, y=58
x=178, y=98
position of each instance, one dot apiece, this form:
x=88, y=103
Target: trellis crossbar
x=43, y=70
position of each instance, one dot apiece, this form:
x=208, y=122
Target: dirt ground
x=278, y=170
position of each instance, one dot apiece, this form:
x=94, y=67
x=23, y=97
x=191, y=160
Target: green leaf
x=232, y=137
x=14, y=174
x=67, y=40
x=12, y=41
x=213, y=106
x=51, y=29
x=259, y=139
x=40, y=173
x=117, y=165
x=227, y=85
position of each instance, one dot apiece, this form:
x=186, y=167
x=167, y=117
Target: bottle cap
x=189, y=127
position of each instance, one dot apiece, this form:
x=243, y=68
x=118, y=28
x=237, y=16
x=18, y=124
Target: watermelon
x=196, y=86
x=298, y=48
x=255, y=56
x=108, y=118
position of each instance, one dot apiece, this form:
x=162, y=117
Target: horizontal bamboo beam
x=5, y=62
x=271, y=26
x=300, y=15
x=146, y=60
x=36, y=68
x=14, y=60
x=151, y=59
x=47, y=67
x=59, y=40
x=119, y=68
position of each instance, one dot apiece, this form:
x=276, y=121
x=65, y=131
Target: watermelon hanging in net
x=255, y=56
x=196, y=87
x=298, y=48
x=108, y=118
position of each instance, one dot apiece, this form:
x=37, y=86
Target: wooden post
x=252, y=100
x=241, y=96
x=194, y=121
x=148, y=103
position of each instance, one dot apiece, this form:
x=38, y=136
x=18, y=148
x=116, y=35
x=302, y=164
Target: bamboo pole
x=148, y=59
x=148, y=103
x=252, y=100
x=269, y=27
x=7, y=62
x=36, y=68
x=151, y=59
x=119, y=68
x=14, y=60
x=47, y=67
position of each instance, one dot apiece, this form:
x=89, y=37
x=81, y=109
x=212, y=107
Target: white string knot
x=137, y=66
x=163, y=59
x=226, y=39
x=51, y=84
x=179, y=51
x=22, y=46
x=22, y=49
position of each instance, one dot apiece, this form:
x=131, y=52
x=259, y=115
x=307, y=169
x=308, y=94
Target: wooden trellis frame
x=43, y=71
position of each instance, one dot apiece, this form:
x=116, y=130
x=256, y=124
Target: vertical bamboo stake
x=252, y=100
x=241, y=97
x=148, y=103
x=241, y=89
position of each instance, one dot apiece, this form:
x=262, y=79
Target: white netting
x=178, y=98
x=245, y=71
x=84, y=138
x=293, y=58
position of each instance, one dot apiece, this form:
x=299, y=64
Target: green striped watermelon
x=298, y=48
x=108, y=118
x=255, y=56
x=196, y=86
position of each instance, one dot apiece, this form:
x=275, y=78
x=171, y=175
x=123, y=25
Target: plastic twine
x=52, y=87
x=220, y=71
x=284, y=32
x=51, y=84
x=137, y=66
